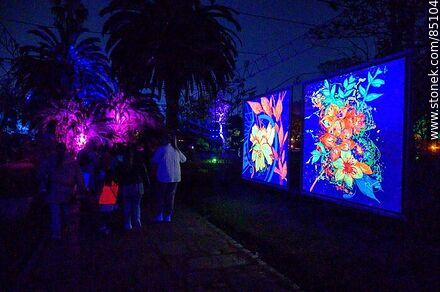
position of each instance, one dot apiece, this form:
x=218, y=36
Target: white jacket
x=168, y=161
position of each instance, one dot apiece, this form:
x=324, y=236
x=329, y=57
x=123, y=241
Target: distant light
x=214, y=160
x=434, y=147
x=29, y=95
x=192, y=147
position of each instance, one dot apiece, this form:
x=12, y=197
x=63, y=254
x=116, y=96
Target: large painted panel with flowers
x=353, y=136
x=266, y=138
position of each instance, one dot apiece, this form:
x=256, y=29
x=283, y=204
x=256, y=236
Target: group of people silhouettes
x=109, y=178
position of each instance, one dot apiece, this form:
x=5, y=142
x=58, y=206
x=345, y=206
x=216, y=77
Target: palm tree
x=180, y=46
x=63, y=65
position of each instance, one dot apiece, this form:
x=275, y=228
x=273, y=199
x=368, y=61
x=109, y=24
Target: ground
x=189, y=254
x=317, y=245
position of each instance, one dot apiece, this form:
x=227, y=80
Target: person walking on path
x=107, y=201
x=88, y=162
x=61, y=174
x=167, y=159
x=131, y=175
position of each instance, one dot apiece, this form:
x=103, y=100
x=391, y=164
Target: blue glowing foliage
x=60, y=68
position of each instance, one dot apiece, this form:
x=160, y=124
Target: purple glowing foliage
x=81, y=140
x=79, y=123
x=75, y=124
x=124, y=120
x=219, y=111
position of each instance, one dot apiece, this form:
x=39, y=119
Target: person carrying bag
x=107, y=202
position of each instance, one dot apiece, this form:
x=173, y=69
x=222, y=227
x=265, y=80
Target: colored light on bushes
x=117, y=122
x=80, y=141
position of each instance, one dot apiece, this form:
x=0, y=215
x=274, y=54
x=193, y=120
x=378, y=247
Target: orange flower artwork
x=265, y=147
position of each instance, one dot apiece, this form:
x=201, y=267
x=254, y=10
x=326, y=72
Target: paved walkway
x=189, y=254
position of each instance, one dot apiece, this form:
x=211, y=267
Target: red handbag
x=109, y=194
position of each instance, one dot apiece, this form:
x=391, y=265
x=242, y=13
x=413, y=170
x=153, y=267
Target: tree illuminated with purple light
x=117, y=121
x=219, y=113
x=76, y=124
x=123, y=119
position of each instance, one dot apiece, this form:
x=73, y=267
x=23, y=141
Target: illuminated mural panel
x=266, y=138
x=353, y=136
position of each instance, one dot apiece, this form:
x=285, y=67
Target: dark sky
x=258, y=35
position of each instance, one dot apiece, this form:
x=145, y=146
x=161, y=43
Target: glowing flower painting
x=265, y=145
x=353, y=131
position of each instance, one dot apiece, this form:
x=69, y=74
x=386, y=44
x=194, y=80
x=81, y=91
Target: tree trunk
x=172, y=95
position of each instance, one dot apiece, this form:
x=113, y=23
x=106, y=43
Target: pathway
x=189, y=254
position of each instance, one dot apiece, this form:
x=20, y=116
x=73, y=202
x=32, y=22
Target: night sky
x=258, y=35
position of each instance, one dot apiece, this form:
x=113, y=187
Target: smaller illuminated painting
x=266, y=138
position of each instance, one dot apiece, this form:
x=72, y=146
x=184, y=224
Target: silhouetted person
x=167, y=158
x=62, y=174
x=107, y=201
x=88, y=162
x=47, y=141
x=131, y=174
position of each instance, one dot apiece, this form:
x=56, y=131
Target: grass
x=318, y=245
